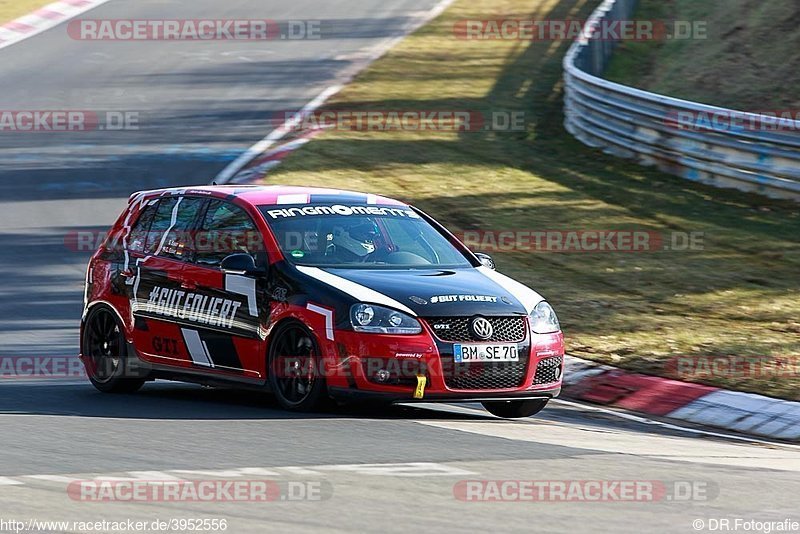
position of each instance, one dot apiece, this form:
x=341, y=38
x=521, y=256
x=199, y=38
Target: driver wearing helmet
x=353, y=242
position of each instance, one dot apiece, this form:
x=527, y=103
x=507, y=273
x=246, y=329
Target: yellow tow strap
x=420, y=391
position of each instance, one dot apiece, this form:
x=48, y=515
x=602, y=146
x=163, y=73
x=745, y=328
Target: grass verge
x=737, y=295
x=750, y=58
x=11, y=9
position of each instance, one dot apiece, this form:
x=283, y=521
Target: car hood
x=434, y=292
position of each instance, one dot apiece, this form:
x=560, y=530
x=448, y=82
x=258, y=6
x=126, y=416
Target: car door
x=228, y=308
x=159, y=248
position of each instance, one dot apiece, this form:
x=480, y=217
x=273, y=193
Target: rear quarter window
x=137, y=239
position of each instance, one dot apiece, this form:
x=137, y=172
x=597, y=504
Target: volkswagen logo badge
x=481, y=328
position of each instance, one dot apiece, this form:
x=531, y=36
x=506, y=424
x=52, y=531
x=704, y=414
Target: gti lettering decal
x=165, y=346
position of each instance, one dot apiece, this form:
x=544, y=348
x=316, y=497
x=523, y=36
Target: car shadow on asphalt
x=167, y=400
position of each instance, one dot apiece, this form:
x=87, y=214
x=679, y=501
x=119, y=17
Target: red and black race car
x=311, y=294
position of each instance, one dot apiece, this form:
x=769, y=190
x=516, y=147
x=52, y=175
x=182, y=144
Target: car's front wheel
x=515, y=409
x=296, y=375
x=105, y=351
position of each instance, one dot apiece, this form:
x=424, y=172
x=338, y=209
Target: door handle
x=188, y=285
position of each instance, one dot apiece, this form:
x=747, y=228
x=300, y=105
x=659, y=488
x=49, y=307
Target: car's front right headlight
x=379, y=320
x=544, y=320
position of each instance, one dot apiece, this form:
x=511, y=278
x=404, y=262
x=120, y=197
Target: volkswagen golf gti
x=313, y=295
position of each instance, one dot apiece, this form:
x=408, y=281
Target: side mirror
x=239, y=262
x=485, y=260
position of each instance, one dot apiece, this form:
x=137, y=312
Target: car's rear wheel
x=515, y=409
x=295, y=368
x=105, y=350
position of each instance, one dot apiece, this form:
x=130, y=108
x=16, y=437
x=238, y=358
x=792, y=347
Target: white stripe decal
x=527, y=296
x=127, y=227
x=197, y=349
x=328, y=318
x=357, y=291
x=171, y=226
x=243, y=285
x=136, y=281
x=301, y=198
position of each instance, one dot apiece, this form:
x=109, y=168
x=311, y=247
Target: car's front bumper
x=356, y=357
x=353, y=394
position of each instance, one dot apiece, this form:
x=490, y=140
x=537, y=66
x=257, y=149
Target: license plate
x=485, y=353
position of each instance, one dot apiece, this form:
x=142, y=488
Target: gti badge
x=481, y=328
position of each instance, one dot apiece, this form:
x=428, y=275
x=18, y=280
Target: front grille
x=548, y=370
x=454, y=329
x=504, y=375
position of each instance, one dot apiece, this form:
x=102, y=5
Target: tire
x=295, y=365
x=515, y=409
x=106, y=353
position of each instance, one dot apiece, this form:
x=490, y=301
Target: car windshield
x=359, y=236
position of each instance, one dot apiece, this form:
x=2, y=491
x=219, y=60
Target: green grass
x=11, y=9
x=738, y=296
x=750, y=60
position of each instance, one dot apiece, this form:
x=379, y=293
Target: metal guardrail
x=645, y=126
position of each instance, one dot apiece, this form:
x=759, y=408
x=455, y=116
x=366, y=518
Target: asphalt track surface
x=201, y=105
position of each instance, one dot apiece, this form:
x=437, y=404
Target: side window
x=178, y=242
x=137, y=239
x=226, y=230
x=161, y=223
x=169, y=234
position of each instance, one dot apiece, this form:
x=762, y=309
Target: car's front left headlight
x=379, y=320
x=544, y=320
